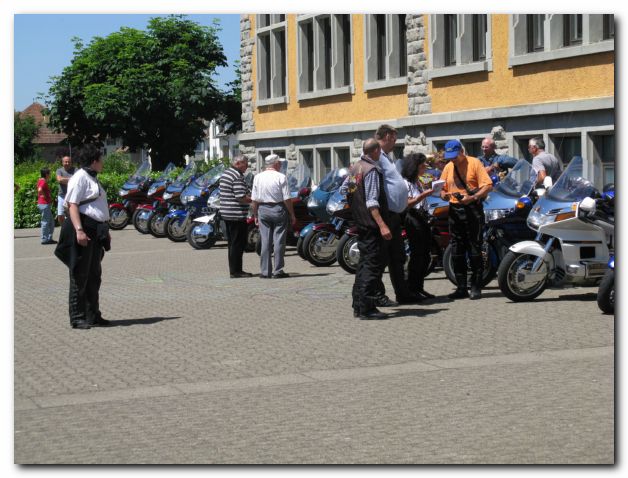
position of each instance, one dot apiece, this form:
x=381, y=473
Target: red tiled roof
x=45, y=134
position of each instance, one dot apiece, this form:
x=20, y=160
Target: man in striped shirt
x=234, y=206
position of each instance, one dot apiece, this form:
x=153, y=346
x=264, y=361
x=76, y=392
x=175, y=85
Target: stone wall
x=246, y=69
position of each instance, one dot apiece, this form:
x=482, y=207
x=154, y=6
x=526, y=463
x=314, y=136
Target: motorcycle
x=170, y=200
x=319, y=239
x=573, y=242
x=154, y=197
x=133, y=193
x=606, y=292
x=194, y=201
x=208, y=229
x=505, y=211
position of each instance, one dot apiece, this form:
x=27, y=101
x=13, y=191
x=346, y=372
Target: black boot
x=461, y=288
x=476, y=277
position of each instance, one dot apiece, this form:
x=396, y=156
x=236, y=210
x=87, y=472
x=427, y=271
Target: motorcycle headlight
x=167, y=196
x=123, y=192
x=187, y=199
x=495, y=214
x=537, y=219
x=152, y=190
x=214, y=201
x=334, y=206
x=311, y=202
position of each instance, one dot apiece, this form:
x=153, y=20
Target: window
x=343, y=157
x=545, y=37
x=521, y=147
x=324, y=55
x=398, y=151
x=566, y=147
x=307, y=158
x=472, y=147
x=459, y=44
x=386, y=51
x=324, y=163
x=604, y=149
x=271, y=59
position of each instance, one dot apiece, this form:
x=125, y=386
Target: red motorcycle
x=154, y=196
x=133, y=193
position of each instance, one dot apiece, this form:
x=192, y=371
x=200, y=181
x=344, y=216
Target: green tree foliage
x=151, y=88
x=24, y=132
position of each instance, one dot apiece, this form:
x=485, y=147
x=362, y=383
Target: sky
x=43, y=47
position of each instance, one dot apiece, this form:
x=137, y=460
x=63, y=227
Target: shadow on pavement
x=588, y=296
x=145, y=321
x=412, y=312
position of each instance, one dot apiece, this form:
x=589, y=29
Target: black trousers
x=368, y=275
x=420, y=237
x=236, y=238
x=465, y=234
x=85, y=279
x=395, y=258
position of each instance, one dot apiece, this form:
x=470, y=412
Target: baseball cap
x=271, y=159
x=452, y=148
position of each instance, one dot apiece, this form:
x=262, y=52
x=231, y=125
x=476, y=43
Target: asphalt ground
x=201, y=368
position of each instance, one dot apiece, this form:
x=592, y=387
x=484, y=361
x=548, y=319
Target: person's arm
x=75, y=217
x=240, y=191
x=290, y=208
x=537, y=165
x=383, y=228
x=62, y=179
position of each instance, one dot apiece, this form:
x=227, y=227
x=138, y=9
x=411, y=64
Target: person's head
x=44, y=173
x=90, y=156
x=536, y=145
x=272, y=161
x=66, y=162
x=414, y=165
x=240, y=163
x=453, y=150
x=386, y=135
x=488, y=146
x=372, y=149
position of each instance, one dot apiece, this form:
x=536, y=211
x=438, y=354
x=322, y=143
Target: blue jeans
x=47, y=222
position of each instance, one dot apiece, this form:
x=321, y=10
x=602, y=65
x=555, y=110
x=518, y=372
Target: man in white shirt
x=272, y=206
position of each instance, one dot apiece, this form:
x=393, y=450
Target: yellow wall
x=581, y=77
x=388, y=103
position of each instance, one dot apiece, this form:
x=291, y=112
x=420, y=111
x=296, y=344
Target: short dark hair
x=539, y=142
x=87, y=154
x=383, y=130
x=44, y=172
x=410, y=166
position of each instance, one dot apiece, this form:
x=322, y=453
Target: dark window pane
x=345, y=25
x=479, y=37
x=326, y=30
x=572, y=27
x=451, y=33
x=281, y=39
x=380, y=35
x=265, y=71
x=403, y=60
x=567, y=147
x=536, y=35
x=309, y=48
x=609, y=27
x=264, y=21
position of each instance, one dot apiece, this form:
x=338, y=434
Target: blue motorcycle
x=505, y=211
x=194, y=201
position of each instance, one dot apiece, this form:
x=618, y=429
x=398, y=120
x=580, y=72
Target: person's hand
x=466, y=200
x=386, y=234
x=429, y=191
x=445, y=196
x=256, y=221
x=82, y=238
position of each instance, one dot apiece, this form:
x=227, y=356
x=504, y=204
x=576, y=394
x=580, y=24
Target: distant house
x=216, y=144
x=47, y=140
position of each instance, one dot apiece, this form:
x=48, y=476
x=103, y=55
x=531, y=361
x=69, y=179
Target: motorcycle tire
x=606, y=293
x=509, y=269
x=313, y=248
x=156, y=224
x=194, y=240
x=252, y=236
x=136, y=224
x=347, y=253
x=488, y=272
x=173, y=230
x=118, y=218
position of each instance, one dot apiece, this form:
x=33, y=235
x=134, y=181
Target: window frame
x=275, y=79
x=395, y=55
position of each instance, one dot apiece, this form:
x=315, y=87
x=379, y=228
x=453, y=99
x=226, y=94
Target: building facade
x=315, y=86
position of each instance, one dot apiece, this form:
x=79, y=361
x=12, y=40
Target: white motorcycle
x=573, y=242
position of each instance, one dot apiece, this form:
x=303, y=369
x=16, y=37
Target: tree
x=25, y=130
x=151, y=88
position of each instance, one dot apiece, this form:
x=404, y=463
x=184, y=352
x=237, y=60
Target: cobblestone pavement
x=201, y=368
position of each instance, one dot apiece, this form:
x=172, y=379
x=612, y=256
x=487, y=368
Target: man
x=370, y=212
x=84, y=237
x=64, y=174
x=234, y=207
x=397, y=196
x=44, y=201
x=272, y=206
x=466, y=185
x=543, y=163
x=492, y=161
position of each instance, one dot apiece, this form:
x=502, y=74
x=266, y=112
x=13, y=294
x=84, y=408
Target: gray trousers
x=273, y=228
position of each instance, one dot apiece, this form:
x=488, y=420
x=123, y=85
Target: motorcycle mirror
x=547, y=182
x=540, y=192
x=587, y=204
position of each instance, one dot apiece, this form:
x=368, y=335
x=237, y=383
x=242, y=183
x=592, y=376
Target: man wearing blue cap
x=466, y=184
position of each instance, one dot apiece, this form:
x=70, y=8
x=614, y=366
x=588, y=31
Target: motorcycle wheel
x=140, y=220
x=347, y=253
x=606, y=293
x=252, y=236
x=174, y=231
x=118, y=218
x=156, y=224
x=300, y=248
x=511, y=268
x=488, y=272
x=318, y=252
x=200, y=237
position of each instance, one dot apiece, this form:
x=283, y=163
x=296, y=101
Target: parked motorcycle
x=154, y=196
x=606, y=292
x=209, y=228
x=505, y=210
x=194, y=201
x=573, y=238
x=171, y=200
x=133, y=193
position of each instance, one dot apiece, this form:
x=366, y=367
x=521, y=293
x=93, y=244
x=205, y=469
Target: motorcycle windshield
x=185, y=175
x=167, y=173
x=336, y=202
x=579, y=180
x=299, y=178
x=210, y=177
x=140, y=175
x=519, y=182
x=333, y=180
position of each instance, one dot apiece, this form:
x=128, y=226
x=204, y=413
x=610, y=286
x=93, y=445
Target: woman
x=416, y=223
x=44, y=203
